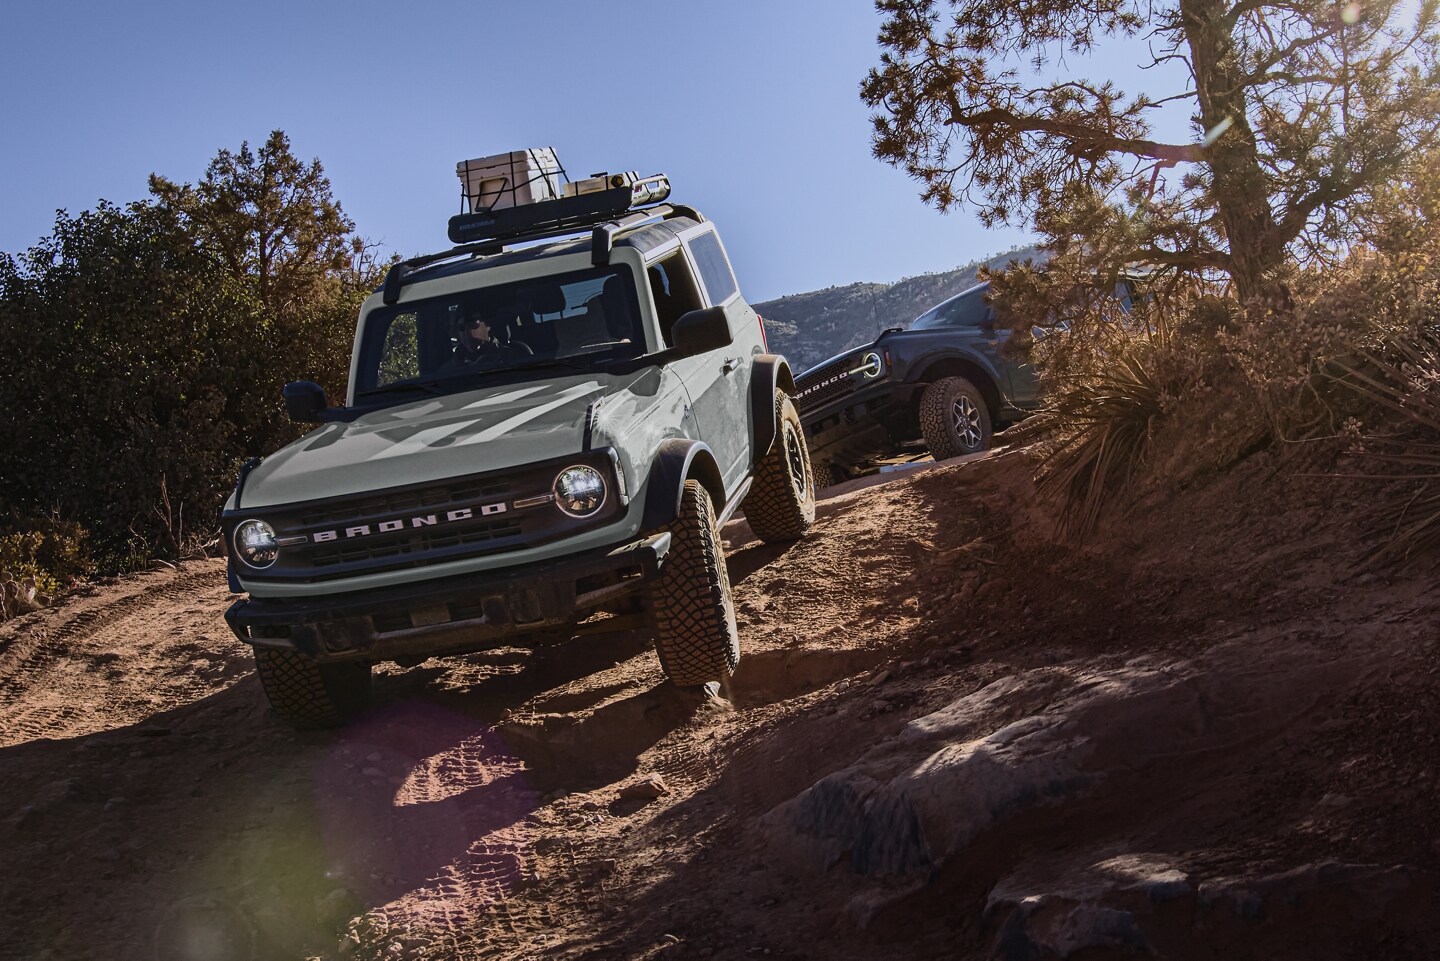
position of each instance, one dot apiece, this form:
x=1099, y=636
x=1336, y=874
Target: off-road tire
x=822, y=475
x=781, y=503
x=954, y=418
x=696, y=636
x=309, y=694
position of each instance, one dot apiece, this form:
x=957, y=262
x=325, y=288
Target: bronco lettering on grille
x=424, y=520
x=824, y=383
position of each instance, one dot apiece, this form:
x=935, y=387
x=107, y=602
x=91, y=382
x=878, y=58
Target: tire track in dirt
x=545, y=886
x=464, y=813
x=446, y=834
x=103, y=662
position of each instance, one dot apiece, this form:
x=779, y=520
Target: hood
x=824, y=366
x=434, y=438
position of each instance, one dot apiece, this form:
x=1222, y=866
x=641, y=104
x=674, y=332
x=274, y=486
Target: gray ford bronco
x=567, y=474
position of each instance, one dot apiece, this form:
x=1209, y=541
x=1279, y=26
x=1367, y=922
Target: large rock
x=1093, y=868
x=1143, y=904
x=1021, y=742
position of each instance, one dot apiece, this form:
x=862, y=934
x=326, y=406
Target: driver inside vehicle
x=477, y=342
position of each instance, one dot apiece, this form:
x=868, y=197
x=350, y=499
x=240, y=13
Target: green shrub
x=52, y=551
x=146, y=372
x=147, y=347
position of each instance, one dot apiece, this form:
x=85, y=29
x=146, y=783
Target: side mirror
x=701, y=331
x=304, y=401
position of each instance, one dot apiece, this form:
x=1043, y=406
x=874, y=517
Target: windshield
x=963, y=310
x=580, y=319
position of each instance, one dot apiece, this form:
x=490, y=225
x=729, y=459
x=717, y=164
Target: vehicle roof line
x=605, y=227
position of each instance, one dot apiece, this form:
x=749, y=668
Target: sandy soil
x=1209, y=733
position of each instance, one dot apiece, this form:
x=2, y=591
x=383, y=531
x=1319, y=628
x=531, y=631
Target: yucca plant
x=1102, y=424
x=1408, y=385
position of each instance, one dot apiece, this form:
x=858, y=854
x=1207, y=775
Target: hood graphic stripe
x=524, y=417
x=424, y=438
x=496, y=400
x=459, y=434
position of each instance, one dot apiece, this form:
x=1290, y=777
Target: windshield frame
x=570, y=300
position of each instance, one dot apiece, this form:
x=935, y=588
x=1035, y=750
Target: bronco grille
x=416, y=544
x=422, y=524
x=823, y=384
x=406, y=501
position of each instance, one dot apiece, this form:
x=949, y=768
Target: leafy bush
x=149, y=366
x=50, y=550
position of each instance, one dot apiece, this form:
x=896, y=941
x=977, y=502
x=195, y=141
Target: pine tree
x=1299, y=109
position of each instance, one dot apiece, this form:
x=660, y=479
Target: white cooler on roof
x=510, y=179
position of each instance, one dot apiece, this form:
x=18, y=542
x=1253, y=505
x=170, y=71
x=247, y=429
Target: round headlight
x=580, y=491
x=255, y=543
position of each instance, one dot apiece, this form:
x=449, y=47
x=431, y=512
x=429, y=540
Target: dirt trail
x=1202, y=735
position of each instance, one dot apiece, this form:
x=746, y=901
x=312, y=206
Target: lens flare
x=1217, y=131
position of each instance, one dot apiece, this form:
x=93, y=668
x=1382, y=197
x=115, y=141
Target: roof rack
x=540, y=219
x=491, y=232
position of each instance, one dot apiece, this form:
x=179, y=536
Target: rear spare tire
x=309, y=694
x=954, y=418
x=781, y=502
x=696, y=637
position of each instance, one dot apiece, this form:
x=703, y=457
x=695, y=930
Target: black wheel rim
x=794, y=459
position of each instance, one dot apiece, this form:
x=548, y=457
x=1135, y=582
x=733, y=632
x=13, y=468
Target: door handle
x=730, y=364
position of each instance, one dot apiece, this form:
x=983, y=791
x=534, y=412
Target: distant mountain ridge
x=810, y=327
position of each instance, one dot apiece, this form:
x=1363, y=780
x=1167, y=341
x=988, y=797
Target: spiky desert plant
x=1101, y=424
x=1406, y=382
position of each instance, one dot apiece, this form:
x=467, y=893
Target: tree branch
x=1088, y=138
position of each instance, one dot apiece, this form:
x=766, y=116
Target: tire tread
x=775, y=510
x=935, y=417
x=310, y=694
x=696, y=636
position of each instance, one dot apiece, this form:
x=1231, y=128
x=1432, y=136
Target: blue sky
x=751, y=107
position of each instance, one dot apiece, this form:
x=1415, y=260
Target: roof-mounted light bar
x=577, y=211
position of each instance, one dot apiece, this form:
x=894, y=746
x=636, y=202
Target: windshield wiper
x=404, y=386
x=450, y=381
x=542, y=364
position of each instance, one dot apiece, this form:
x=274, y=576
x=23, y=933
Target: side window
x=966, y=312
x=969, y=309
x=714, y=267
x=926, y=319
x=400, y=355
x=675, y=292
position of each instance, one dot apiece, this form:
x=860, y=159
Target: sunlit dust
x=203, y=929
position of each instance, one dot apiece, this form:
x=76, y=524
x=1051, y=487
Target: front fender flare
x=677, y=460
x=769, y=373
x=915, y=369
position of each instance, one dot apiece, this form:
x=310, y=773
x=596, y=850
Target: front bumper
x=860, y=426
x=454, y=615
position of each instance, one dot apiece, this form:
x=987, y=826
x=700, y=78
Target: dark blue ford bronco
x=942, y=385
